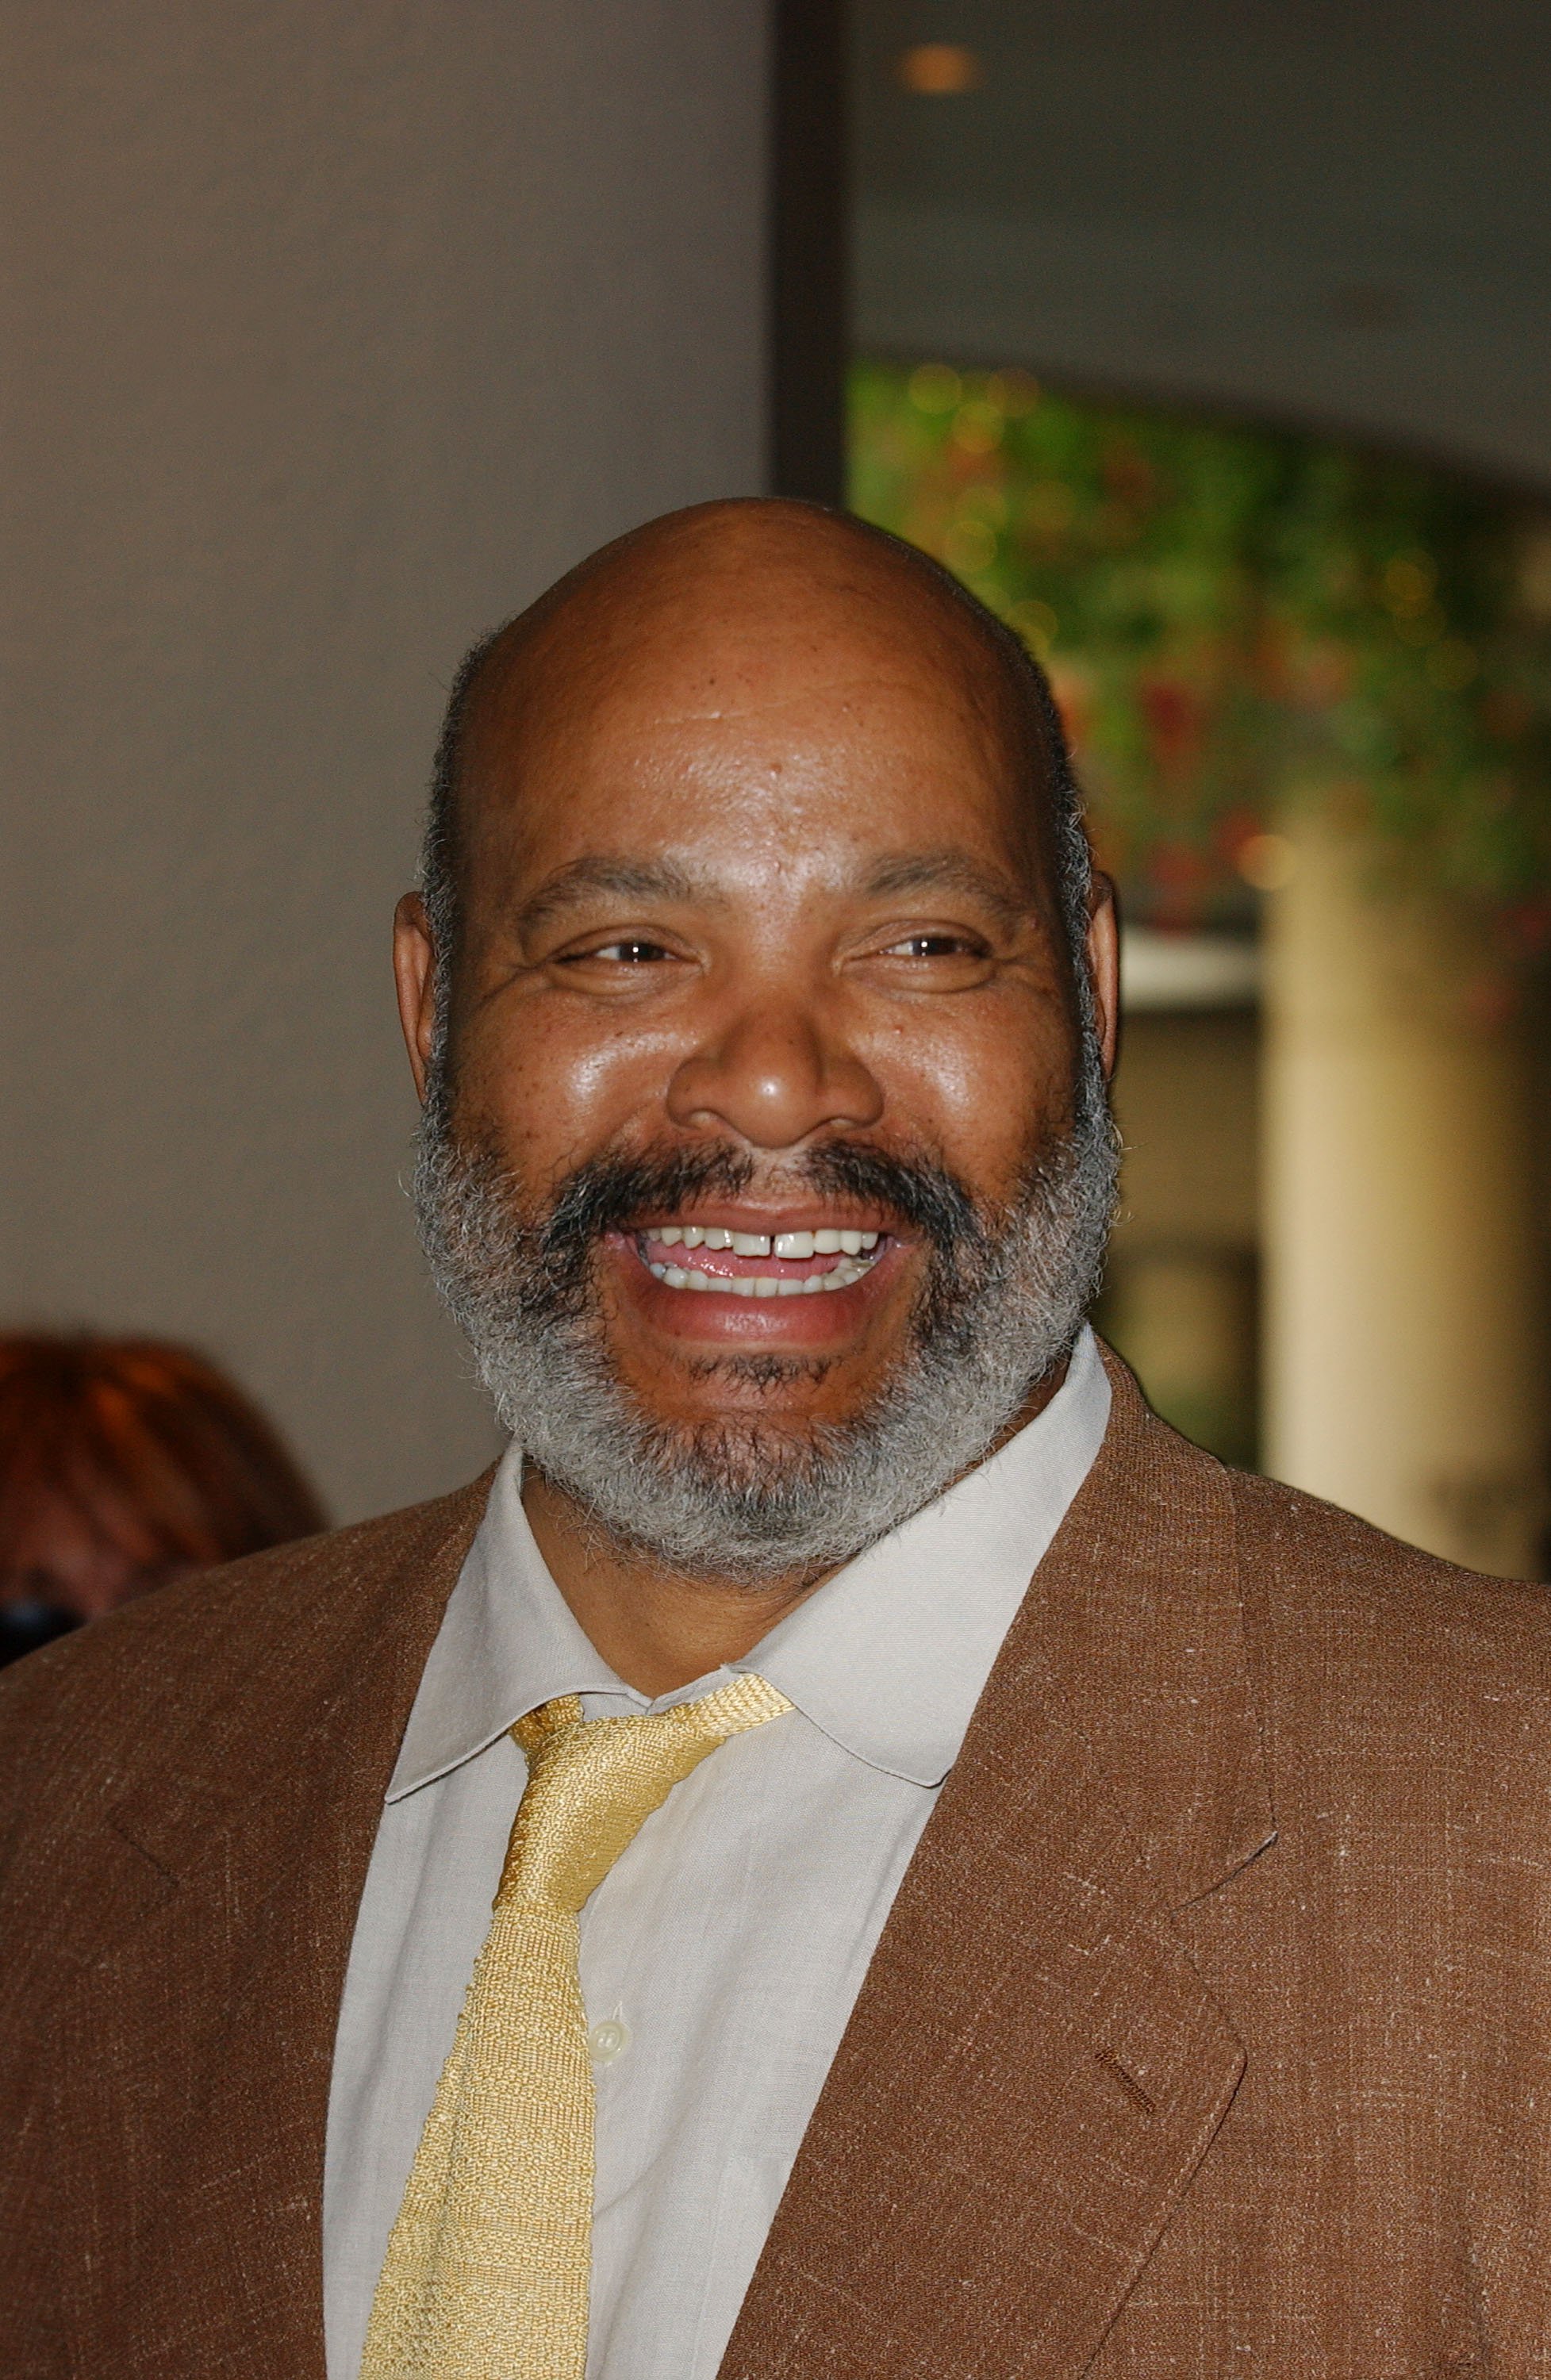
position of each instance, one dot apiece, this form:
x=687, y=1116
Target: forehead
x=719, y=704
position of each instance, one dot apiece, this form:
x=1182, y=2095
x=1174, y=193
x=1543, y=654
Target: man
x=897, y=1966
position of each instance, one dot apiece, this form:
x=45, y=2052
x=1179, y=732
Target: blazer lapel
x=239, y=1873
x=1034, y=2070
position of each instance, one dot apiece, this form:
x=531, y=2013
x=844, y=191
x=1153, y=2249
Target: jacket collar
x=1033, y=2068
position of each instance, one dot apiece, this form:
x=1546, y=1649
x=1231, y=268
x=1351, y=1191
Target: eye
x=941, y=945
x=630, y=950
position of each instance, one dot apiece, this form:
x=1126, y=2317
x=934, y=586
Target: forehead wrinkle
x=827, y=689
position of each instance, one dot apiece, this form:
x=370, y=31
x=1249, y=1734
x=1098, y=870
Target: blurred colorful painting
x=1237, y=619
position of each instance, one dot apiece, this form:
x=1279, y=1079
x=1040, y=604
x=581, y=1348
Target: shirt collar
x=507, y=1643
x=889, y=1657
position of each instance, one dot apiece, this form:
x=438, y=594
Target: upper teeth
x=787, y=1244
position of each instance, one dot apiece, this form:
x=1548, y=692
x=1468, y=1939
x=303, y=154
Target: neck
x=656, y=1628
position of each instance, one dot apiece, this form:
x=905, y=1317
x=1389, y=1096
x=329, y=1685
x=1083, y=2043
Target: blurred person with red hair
x=124, y=1463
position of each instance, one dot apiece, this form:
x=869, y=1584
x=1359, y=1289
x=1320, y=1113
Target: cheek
x=985, y=1093
x=552, y=1086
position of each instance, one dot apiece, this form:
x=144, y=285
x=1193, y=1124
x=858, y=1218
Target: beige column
x=1405, y=1351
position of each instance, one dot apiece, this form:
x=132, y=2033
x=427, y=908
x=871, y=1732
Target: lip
x=734, y=1217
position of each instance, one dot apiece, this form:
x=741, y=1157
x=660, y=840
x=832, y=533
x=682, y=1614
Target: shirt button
x=608, y=2041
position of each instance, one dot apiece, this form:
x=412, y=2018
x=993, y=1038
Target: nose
x=772, y=1077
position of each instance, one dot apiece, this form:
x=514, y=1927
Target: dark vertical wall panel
x=810, y=210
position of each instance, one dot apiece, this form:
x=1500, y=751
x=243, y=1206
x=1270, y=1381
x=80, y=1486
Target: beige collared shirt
x=721, y=1956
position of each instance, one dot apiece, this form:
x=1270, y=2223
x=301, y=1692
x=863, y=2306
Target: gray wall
x=329, y=335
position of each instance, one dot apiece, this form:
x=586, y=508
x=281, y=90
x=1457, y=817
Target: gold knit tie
x=487, y=2272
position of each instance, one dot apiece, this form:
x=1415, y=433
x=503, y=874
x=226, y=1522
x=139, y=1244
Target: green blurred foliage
x=1236, y=619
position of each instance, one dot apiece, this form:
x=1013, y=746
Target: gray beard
x=743, y=1498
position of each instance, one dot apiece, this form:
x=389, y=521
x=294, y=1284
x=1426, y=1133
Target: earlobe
x=414, y=972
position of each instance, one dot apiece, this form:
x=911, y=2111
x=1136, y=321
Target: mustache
x=609, y=1193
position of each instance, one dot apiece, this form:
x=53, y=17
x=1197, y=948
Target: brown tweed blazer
x=1208, y=2035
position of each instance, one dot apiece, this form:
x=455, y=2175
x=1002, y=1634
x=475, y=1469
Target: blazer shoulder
x=1363, y=1641
x=1337, y=1563
x=116, y=1697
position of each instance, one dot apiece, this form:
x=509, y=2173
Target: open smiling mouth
x=758, y=1264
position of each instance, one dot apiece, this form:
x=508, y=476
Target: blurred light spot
x=984, y=501
x=938, y=69
x=969, y=546
x=935, y=388
x=1036, y=623
x=1409, y=582
x=1267, y=861
x=978, y=427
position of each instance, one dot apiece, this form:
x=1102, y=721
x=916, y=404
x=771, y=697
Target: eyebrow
x=949, y=871
x=611, y=878
x=619, y=880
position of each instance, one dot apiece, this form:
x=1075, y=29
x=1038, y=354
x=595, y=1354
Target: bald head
x=729, y=604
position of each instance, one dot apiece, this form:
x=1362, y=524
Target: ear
x=416, y=974
x=1103, y=966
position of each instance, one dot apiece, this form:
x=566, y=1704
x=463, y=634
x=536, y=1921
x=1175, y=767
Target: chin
x=792, y=1392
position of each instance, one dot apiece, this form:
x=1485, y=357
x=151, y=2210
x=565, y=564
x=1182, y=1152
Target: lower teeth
x=765, y=1284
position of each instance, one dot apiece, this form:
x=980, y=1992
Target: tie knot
x=591, y=1783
